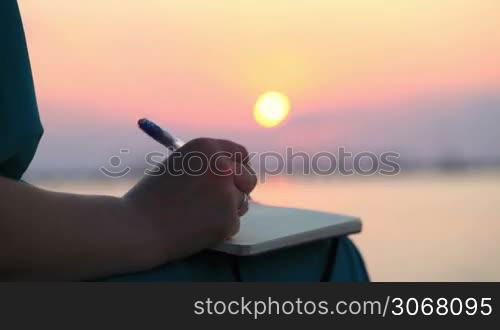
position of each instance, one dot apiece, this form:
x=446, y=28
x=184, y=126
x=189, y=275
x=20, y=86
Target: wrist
x=146, y=248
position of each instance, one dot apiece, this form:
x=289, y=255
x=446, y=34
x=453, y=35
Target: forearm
x=48, y=235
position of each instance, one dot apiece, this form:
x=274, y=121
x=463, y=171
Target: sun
x=271, y=109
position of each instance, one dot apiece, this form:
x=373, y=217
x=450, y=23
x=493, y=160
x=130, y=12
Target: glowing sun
x=271, y=109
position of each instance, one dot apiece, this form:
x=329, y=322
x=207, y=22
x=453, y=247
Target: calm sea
x=417, y=227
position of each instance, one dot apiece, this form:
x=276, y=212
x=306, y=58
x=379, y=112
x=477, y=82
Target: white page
x=265, y=228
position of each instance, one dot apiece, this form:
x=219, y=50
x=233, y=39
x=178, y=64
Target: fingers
x=212, y=146
x=243, y=208
x=239, y=152
x=235, y=228
x=233, y=225
x=231, y=159
x=231, y=172
x=244, y=178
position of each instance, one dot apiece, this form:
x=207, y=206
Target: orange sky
x=198, y=64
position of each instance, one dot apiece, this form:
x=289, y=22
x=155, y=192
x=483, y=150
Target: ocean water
x=426, y=226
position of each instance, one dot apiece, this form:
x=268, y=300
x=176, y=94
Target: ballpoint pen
x=160, y=135
x=170, y=142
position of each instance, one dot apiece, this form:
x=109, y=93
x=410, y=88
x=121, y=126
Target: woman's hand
x=195, y=202
x=60, y=236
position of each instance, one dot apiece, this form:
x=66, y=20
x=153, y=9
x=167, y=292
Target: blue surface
x=304, y=263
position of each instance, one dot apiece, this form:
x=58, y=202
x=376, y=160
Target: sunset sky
x=418, y=76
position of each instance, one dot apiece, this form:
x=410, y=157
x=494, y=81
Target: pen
x=170, y=142
x=159, y=135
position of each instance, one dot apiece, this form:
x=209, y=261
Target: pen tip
x=148, y=126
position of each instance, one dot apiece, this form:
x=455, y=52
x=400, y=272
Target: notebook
x=265, y=228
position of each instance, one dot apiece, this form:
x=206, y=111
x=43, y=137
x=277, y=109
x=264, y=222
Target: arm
x=50, y=235
x=64, y=236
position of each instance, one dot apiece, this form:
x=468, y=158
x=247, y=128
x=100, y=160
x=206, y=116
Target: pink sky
x=199, y=66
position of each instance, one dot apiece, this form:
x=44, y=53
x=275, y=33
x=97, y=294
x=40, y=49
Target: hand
x=196, y=203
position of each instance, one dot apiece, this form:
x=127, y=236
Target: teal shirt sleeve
x=20, y=126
